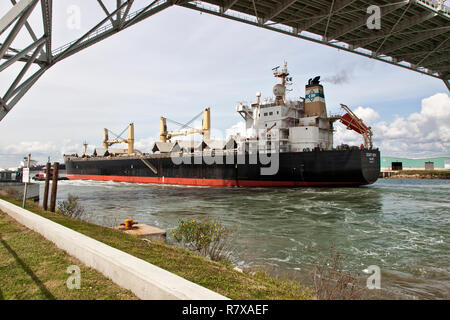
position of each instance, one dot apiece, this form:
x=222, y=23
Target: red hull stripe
x=209, y=182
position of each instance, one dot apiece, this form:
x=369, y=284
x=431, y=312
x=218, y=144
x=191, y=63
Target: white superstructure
x=296, y=125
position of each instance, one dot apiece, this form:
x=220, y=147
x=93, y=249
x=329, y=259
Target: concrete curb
x=145, y=280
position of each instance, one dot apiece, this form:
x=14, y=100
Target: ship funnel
x=315, y=99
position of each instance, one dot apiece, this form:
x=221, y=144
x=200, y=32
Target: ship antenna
x=285, y=79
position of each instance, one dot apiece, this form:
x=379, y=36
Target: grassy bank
x=422, y=174
x=32, y=267
x=219, y=277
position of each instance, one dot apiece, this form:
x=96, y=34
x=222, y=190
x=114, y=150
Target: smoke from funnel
x=339, y=78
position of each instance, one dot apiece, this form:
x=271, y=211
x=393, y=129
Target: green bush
x=207, y=238
x=71, y=207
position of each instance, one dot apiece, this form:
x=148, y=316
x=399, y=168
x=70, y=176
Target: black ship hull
x=351, y=167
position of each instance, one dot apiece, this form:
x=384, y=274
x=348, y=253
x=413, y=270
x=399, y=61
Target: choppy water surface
x=403, y=226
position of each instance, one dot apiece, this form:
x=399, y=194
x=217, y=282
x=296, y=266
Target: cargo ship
x=287, y=143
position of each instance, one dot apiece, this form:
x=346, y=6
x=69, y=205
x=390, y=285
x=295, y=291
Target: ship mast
x=281, y=74
x=280, y=89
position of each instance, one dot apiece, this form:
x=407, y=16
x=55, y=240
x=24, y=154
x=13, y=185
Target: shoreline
x=416, y=174
x=216, y=276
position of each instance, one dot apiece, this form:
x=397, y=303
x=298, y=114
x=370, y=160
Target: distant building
x=7, y=175
x=393, y=163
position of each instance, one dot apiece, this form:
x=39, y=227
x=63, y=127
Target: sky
x=179, y=61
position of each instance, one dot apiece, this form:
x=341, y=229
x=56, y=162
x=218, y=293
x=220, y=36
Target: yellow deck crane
x=205, y=130
x=130, y=140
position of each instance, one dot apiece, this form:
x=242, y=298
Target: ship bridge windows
x=271, y=113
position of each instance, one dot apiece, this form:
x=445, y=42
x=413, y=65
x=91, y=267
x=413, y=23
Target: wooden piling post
x=46, y=186
x=54, y=187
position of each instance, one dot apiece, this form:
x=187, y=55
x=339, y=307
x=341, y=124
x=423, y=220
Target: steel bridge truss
x=416, y=36
x=40, y=51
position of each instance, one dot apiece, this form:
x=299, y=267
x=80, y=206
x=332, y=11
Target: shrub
x=331, y=282
x=71, y=207
x=207, y=238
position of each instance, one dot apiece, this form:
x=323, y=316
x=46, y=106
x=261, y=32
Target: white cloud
x=145, y=144
x=13, y=153
x=344, y=136
x=368, y=115
x=350, y=137
x=422, y=133
x=30, y=147
x=238, y=128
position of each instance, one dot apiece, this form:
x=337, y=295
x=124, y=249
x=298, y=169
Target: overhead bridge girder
x=13, y=14
x=407, y=26
x=414, y=33
x=40, y=51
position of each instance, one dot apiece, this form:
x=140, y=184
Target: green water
x=400, y=225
